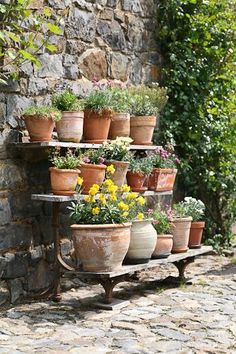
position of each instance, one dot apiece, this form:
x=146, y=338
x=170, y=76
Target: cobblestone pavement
x=197, y=318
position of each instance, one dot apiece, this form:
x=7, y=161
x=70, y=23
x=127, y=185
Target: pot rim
x=145, y=117
x=72, y=112
x=64, y=170
x=198, y=224
x=100, y=226
x=93, y=166
x=36, y=117
x=118, y=162
x=169, y=170
x=165, y=236
x=181, y=219
x=136, y=174
x=147, y=220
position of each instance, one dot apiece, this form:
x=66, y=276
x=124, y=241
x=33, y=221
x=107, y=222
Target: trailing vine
x=197, y=40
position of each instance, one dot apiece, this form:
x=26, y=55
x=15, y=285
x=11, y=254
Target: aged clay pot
x=163, y=247
x=63, y=182
x=180, y=230
x=142, y=128
x=196, y=232
x=136, y=181
x=70, y=127
x=162, y=179
x=40, y=129
x=120, y=125
x=142, y=242
x=91, y=174
x=121, y=168
x=96, y=125
x=101, y=248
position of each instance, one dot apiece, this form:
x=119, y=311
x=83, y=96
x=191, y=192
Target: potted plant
x=164, y=161
x=196, y=210
x=139, y=169
x=101, y=233
x=40, y=121
x=70, y=126
x=117, y=154
x=97, y=116
x=180, y=227
x=65, y=171
x=92, y=169
x=162, y=225
x=143, y=236
x=145, y=105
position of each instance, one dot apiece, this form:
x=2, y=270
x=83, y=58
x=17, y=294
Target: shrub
x=66, y=100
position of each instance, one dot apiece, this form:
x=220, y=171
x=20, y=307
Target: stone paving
x=196, y=318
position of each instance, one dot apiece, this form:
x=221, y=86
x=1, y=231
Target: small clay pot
x=63, y=182
x=70, y=127
x=195, y=236
x=120, y=125
x=91, y=174
x=40, y=129
x=163, y=247
x=136, y=181
x=96, y=126
x=162, y=179
x=180, y=230
x=142, y=129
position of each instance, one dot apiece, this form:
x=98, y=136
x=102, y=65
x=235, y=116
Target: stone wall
x=103, y=39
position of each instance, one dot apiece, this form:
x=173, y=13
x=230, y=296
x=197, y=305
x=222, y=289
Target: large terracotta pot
x=63, y=182
x=91, y=174
x=162, y=179
x=142, y=242
x=101, y=248
x=96, y=125
x=136, y=181
x=163, y=247
x=121, y=168
x=40, y=129
x=180, y=230
x=120, y=125
x=70, y=127
x=141, y=129
x=196, y=232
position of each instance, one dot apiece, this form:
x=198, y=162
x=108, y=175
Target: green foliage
x=219, y=243
x=161, y=222
x=23, y=33
x=119, y=99
x=164, y=157
x=43, y=112
x=117, y=149
x=69, y=161
x=191, y=207
x=197, y=39
x=99, y=100
x=141, y=165
x=94, y=156
x=66, y=100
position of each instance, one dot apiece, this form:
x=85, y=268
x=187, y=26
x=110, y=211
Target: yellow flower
x=132, y=195
x=125, y=214
x=95, y=211
x=94, y=189
x=112, y=189
x=111, y=169
x=102, y=198
x=140, y=200
x=125, y=188
x=108, y=182
x=89, y=199
x=140, y=216
x=80, y=180
x=121, y=205
x=113, y=197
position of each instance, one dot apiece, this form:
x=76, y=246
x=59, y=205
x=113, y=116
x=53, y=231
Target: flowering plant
x=191, y=207
x=66, y=100
x=117, y=149
x=141, y=165
x=70, y=160
x=164, y=157
x=107, y=204
x=94, y=157
x=162, y=221
x=43, y=112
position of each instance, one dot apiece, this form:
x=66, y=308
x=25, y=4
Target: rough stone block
x=3, y=110
x=4, y=293
x=131, y=5
x=119, y=68
x=93, y=63
x=82, y=25
x=59, y=4
x=40, y=277
x=5, y=212
x=66, y=246
x=112, y=3
x=21, y=205
x=16, y=290
x=75, y=47
x=107, y=14
x=15, y=236
x=15, y=106
x=36, y=255
x=111, y=33
x=136, y=71
x=2, y=265
x=37, y=86
x=16, y=265
x=51, y=66
x=12, y=175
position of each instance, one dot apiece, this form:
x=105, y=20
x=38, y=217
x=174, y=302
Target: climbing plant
x=197, y=39
x=24, y=32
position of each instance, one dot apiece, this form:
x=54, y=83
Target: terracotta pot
x=92, y=174
x=162, y=179
x=180, y=230
x=141, y=129
x=39, y=129
x=101, y=248
x=63, y=182
x=96, y=125
x=121, y=170
x=136, y=181
x=143, y=240
x=196, y=232
x=120, y=125
x=163, y=247
x=70, y=127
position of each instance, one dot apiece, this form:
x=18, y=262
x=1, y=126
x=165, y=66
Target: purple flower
x=86, y=159
x=101, y=161
x=177, y=161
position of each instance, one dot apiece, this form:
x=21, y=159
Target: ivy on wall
x=197, y=39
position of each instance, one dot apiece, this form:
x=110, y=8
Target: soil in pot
x=162, y=179
x=91, y=174
x=101, y=248
x=180, y=230
x=163, y=247
x=70, y=127
x=196, y=232
x=39, y=129
x=121, y=168
x=141, y=129
x=120, y=125
x=63, y=182
x=136, y=181
x=96, y=126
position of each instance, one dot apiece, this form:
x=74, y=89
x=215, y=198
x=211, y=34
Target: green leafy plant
x=162, y=221
x=197, y=40
x=99, y=100
x=24, y=32
x=195, y=207
x=141, y=165
x=117, y=149
x=146, y=101
x=120, y=99
x=180, y=210
x=66, y=100
x=164, y=157
x=43, y=112
x=70, y=160
x=94, y=156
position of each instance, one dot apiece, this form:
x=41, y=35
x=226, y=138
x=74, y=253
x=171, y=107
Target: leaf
x=13, y=37
x=54, y=29
x=51, y=47
x=47, y=11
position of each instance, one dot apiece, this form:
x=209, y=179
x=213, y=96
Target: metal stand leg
x=181, y=266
